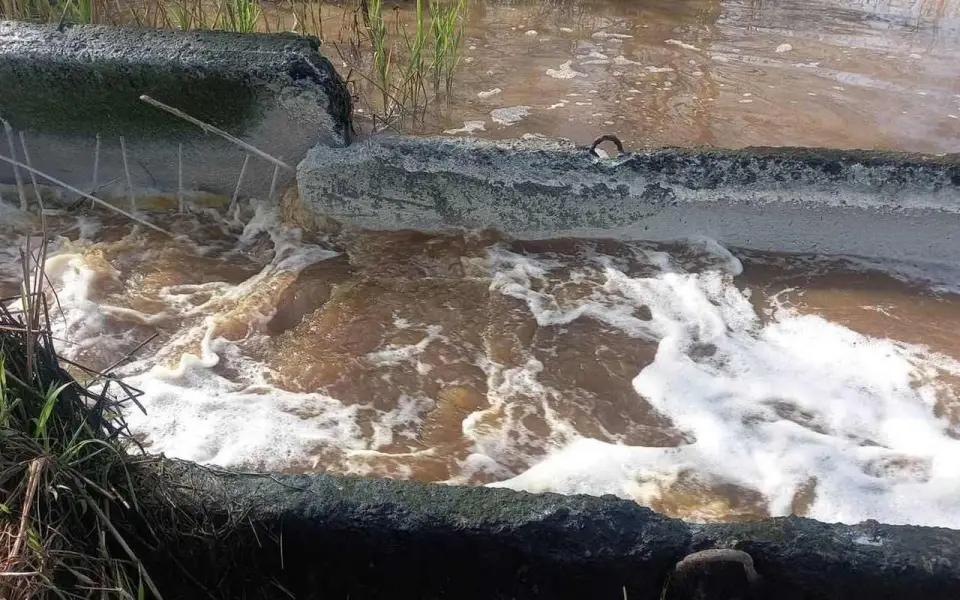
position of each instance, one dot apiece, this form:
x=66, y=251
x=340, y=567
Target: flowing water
x=709, y=383
x=706, y=382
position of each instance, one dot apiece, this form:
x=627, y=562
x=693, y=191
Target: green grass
x=239, y=15
x=382, y=51
x=430, y=43
x=81, y=11
x=29, y=10
x=416, y=63
x=447, y=30
x=68, y=491
x=186, y=15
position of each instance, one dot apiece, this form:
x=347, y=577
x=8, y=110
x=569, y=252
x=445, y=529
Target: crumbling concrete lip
x=329, y=536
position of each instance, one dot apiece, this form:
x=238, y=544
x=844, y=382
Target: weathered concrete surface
x=63, y=88
x=874, y=204
x=331, y=537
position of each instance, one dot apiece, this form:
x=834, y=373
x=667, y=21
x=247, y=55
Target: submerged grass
x=447, y=29
x=401, y=84
x=70, y=504
x=390, y=62
x=240, y=15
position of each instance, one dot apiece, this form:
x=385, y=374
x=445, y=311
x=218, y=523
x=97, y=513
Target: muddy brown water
x=471, y=358
x=729, y=73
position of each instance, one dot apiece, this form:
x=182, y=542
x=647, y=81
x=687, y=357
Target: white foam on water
x=683, y=45
x=770, y=402
x=510, y=115
x=192, y=411
x=565, y=72
x=195, y=414
x=859, y=418
x=624, y=61
x=606, y=35
x=593, y=54
x=83, y=321
x=396, y=354
x=468, y=127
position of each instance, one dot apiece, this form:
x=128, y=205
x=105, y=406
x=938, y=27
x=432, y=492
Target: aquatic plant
x=184, y=14
x=447, y=28
x=382, y=52
x=416, y=64
x=400, y=85
x=82, y=11
x=239, y=15
x=29, y=10
x=307, y=17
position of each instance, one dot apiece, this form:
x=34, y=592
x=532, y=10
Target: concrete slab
x=62, y=89
x=867, y=203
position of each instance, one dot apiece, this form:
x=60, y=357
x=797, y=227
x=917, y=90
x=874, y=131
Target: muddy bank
x=877, y=204
x=322, y=536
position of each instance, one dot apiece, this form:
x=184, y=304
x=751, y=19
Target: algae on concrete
x=321, y=536
x=38, y=103
x=801, y=200
x=88, y=79
x=74, y=94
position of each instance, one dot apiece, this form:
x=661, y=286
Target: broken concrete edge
x=87, y=79
x=875, y=204
x=330, y=536
x=64, y=89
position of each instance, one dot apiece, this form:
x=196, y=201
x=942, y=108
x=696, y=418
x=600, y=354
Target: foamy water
x=695, y=379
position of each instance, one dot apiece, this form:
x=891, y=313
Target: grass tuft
x=447, y=29
x=69, y=506
x=241, y=16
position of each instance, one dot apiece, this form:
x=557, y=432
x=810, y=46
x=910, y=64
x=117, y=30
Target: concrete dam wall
x=876, y=204
x=75, y=95
x=75, y=92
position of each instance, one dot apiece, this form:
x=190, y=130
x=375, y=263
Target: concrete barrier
x=318, y=536
x=63, y=89
x=868, y=203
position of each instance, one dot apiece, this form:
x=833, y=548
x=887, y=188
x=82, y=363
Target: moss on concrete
x=58, y=97
x=318, y=536
x=88, y=79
